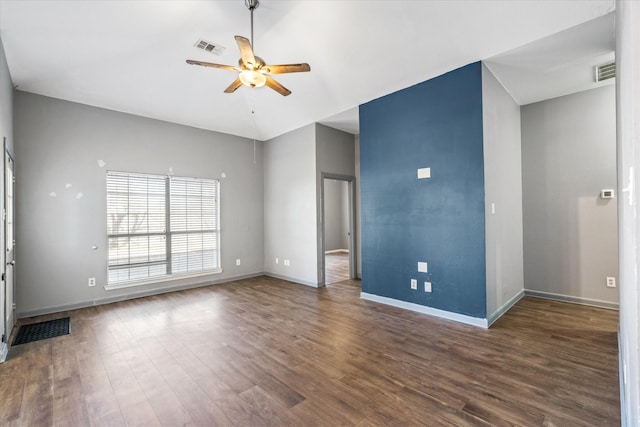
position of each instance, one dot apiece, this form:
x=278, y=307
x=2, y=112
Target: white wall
x=58, y=146
x=570, y=234
x=628, y=134
x=290, y=214
x=503, y=196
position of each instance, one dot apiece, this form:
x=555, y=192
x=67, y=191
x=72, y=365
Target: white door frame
x=7, y=313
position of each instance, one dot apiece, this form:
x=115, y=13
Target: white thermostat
x=607, y=194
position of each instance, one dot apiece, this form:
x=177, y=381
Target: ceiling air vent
x=216, y=49
x=605, y=72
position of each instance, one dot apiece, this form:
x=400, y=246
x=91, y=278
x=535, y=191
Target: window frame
x=168, y=233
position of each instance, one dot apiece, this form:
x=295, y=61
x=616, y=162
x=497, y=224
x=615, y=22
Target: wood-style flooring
x=336, y=267
x=264, y=351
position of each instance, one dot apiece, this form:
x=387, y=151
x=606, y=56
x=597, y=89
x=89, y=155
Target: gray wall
x=6, y=131
x=503, y=195
x=336, y=214
x=570, y=234
x=6, y=99
x=59, y=146
x=290, y=215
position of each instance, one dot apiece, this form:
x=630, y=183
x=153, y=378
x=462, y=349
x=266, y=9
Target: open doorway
x=338, y=225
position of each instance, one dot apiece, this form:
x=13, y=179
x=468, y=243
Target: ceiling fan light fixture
x=252, y=78
x=252, y=70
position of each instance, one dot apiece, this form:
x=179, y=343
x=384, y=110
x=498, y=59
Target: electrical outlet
x=287, y=263
x=427, y=286
x=92, y=281
x=238, y=261
x=277, y=261
x=611, y=282
x=414, y=284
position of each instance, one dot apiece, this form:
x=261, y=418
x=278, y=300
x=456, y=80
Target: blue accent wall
x=439, y=220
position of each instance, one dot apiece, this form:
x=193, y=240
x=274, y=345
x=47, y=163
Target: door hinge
x=4, y=338
x=4, y=277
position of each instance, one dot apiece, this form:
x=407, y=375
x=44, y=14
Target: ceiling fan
x=252, y=70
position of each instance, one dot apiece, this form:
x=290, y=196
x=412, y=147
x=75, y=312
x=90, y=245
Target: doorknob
x=12, y=262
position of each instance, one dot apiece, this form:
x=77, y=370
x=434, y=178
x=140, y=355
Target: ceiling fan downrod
x=252, y=5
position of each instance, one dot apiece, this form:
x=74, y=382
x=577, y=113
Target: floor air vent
x=605, y=72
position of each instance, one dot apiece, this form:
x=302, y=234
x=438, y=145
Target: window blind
x=160, y=226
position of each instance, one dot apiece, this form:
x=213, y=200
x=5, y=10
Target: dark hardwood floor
x=267, y=352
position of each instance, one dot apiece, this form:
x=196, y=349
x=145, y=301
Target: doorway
x=338, y=257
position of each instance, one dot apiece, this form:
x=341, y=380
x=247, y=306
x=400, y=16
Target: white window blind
x=161, y=226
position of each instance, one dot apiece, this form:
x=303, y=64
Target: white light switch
x=422, y=267
x=427, y=286
x=424, y=173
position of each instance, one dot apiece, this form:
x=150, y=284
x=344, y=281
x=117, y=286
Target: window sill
x=159, y=279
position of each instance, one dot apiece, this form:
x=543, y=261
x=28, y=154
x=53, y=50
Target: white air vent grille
x=605, y=72
x=216, y=49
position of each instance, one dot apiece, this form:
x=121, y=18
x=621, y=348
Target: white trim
x=505, y=307
x=462, y=318
x=159, y=279
x=293, y=279
x=4, y=350
x=335, y=251
x=622, y=380
x=572, y=299
x=133, y=295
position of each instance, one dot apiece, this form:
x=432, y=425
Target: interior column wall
x=628, y=137
x=503, y=196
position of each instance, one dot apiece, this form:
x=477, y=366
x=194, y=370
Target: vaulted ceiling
x=130, y=56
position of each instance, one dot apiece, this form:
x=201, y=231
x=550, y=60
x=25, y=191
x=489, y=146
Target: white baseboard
x=292, y=279
x=572, y=299
x=505, y=307
x=336, y=251
x=131, y=295
x=462, y=318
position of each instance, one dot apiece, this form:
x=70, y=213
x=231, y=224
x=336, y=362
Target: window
x=161, y=226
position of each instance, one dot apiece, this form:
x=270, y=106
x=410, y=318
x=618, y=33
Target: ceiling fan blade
x=233, y=86
x=212, y=65
x=277, y=86
x=246, y=51
x=286, y=68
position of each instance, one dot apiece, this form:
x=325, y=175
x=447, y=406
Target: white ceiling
x=557, y=65
x=130, y=56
